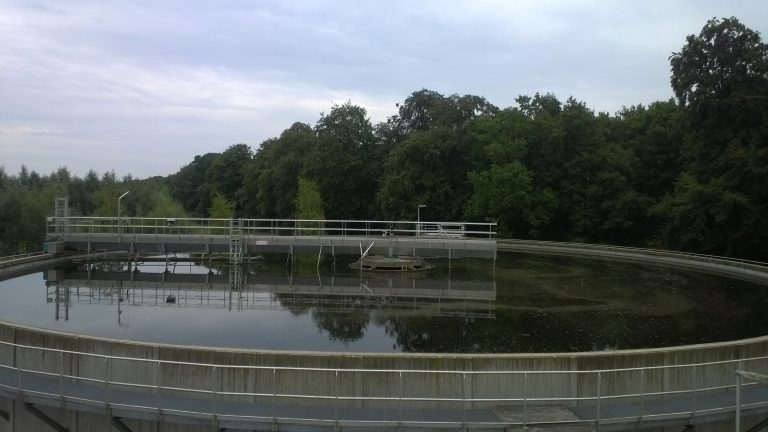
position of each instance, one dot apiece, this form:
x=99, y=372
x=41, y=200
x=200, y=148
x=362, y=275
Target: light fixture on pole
x=418, y=218
x=119, y=221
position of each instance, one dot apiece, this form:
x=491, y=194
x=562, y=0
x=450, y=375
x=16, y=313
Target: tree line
x=686, y=173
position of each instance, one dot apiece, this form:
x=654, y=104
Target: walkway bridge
x=239, y=237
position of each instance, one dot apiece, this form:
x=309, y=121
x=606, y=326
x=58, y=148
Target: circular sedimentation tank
x=535, y=298
x=597, y=318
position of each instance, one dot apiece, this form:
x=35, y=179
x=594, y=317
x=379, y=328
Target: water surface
x=523, y=303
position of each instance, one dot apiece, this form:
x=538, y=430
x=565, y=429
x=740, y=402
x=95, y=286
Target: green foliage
x=189, y=185
x=707, y=217
x=227, y=170
x=309, y=202
x=343, y=163
x=431, y=154
x=309, y=205
x=505, y=194
x=425, y=168
x=221, y=207
x=720, y=77
x=271, y=179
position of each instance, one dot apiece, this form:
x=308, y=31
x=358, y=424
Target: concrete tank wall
x=352, y=383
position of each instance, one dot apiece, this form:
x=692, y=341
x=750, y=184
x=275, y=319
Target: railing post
x=336, y=399
x=157, y=388
x=463, y=399
x=61, y=378
x=525, y=400
x=18, y=370
x=274, y=395
x=642, y=395
x=599, y=384
x=106, y=383
x=737, y=428
x=213, y=392
x=693, y=383
x=400, y=401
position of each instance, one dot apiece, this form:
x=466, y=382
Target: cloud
x=147, y=85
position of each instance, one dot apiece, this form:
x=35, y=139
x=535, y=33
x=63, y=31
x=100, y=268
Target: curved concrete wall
x=741, y=269
x=350, y=383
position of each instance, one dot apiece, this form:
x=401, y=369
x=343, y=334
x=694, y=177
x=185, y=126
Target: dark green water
x=525, y=303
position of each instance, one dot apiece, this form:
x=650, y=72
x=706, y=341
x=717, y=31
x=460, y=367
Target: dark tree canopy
x=718, y=206
x=724, y=61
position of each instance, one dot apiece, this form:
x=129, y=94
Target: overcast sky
x=142, y=87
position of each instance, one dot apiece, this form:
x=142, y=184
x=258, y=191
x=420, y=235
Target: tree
x=426, y=109
x=309, y=202
x=435, y=152
x=699, y=214
x=653, y=135
x=429, y=167
x=221, y=207
x=725, y=61
x=189, y=185
x=227, y=170
x=343, y=163
x=271, y=179
x=505, y=194
x=720, y=77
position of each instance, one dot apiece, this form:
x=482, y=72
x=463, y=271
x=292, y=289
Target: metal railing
x=395, y=390
x=16, y=259
x=268, y=227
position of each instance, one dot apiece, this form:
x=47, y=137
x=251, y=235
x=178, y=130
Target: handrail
x=64, y=226
x=405, y=371
x=9, y=258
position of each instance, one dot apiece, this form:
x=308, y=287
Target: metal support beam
x=5, y=415
x=118, y=424
x=44, y=418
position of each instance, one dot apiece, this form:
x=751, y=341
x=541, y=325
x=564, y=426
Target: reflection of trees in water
x=342, y=325
x=342, y=320
x=540, y=331
x=115, y=266
x=445, y=334
x=295, y=305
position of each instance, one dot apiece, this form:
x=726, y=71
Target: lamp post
x=418, y=218
x=119, y=221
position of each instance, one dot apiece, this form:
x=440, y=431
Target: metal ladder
x=61, y=212
x=235, y=242
x=235, y=256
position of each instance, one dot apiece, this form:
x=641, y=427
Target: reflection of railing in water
x=59, y=296
x=430, y=297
